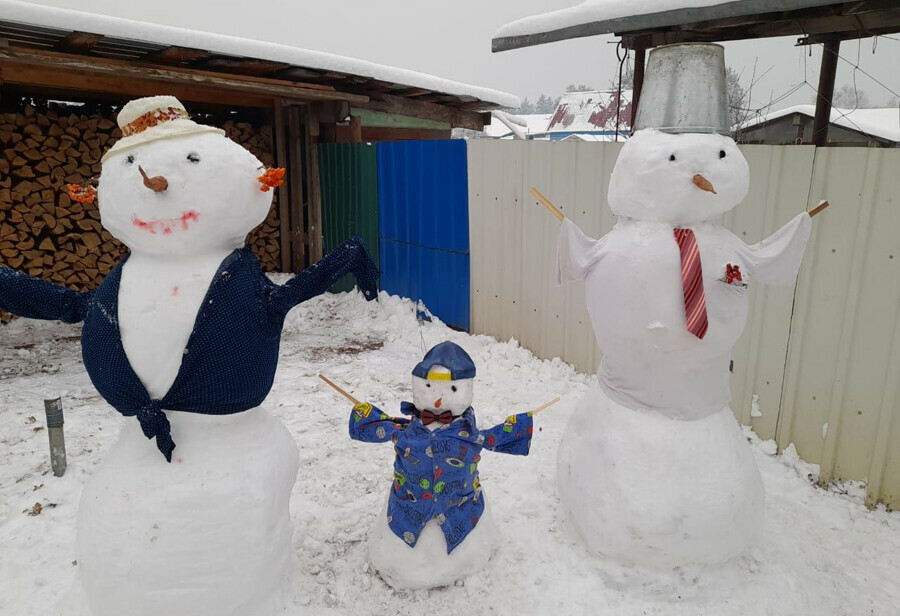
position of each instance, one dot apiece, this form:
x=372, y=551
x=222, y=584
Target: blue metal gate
x=423, y=219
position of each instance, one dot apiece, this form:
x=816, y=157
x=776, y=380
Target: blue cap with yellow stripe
x=449, y=355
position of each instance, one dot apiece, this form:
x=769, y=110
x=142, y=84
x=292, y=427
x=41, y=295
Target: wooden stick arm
x=544, y=406
x=338, y=389
x=821, y=206
x=546, y=203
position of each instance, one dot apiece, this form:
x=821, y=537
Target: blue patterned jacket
x=232, y=353
x=436, y=472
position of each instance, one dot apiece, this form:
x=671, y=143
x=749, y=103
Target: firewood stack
x=46, y=234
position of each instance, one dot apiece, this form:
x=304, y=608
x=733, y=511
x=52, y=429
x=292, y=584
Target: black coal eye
x=721, y=153
x=193, y=157
x=427, y=384
x=671, y=157
x=453, y=387
x=129, y=159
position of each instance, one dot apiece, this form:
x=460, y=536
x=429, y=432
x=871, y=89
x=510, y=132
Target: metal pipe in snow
x=54, y=411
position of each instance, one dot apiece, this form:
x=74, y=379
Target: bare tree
x=849, y=97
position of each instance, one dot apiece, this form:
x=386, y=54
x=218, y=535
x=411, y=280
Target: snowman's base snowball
x=657, y=492
x=207, y=535
x=428, y=565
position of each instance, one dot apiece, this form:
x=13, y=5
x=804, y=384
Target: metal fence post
x=54, y=411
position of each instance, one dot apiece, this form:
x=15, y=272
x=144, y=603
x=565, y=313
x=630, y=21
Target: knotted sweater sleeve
x=34, y=298
x=370, y=424
x=513, y=436
x=351, y=257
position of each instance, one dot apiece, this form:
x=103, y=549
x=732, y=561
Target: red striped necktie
x=692, y=283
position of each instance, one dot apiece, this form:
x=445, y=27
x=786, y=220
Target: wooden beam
x=255, y=85
x=176, y=55
x=825, y=92
x=313, y=191
x=387, y=133
x=295, y=173
x=355, y=129
x=79, y=41
x=284, y=197
x=404, y=106
x=817, y=39
x=640, y=60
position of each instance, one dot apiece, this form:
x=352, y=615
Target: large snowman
x=184, y=334
x=653, y=469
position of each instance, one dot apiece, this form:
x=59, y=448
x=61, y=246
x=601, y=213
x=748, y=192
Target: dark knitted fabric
x=231, y=356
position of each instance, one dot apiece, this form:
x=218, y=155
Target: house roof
x=883, y=123
x=100, y=36
x=660, y=22
x=534, y=123
x=591, y=111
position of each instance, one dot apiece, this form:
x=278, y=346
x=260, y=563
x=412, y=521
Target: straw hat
x=153, y=118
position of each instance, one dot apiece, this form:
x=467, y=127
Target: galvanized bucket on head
x=684, y=90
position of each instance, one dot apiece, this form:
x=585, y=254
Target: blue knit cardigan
x=231, y=356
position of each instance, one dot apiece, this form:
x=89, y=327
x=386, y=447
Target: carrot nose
x=437, y=403
x=703, y=184
x=156, y=184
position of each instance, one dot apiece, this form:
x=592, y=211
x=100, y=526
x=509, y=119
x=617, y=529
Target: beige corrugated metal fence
x=825, y=353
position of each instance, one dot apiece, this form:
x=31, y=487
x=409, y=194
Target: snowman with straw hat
x=182, y=339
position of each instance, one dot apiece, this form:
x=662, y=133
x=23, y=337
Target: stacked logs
x=46, y=234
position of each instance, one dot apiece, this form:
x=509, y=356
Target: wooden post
x=284, y=197
x=640, y=61
x=355, y=129
x=295, y=177
x=54, y=411
x=826, y=91
x=313, y=192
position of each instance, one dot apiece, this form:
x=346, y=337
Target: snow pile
x=820, y=552
x=78, y=21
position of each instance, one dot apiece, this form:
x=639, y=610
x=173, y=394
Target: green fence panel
x=349, y=180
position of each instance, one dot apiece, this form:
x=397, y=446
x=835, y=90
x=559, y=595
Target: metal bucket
x=684, y=90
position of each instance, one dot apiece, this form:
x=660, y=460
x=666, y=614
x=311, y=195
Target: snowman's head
x=176, y=187
x=443, y=381
x=678, y=178
x=438, y=394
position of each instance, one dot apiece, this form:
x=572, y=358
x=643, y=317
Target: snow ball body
x=427, y=565
x=656, y=492
x=210, y=533
x=652, y=468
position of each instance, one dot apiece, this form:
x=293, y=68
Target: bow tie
x=428, y=417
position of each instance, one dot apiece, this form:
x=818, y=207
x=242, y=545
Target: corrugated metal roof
x=591, y=112
x=594, y=17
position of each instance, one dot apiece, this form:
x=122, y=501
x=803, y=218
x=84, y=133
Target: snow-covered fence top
x=26, y=13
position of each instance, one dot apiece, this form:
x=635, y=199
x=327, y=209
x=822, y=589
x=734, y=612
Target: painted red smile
x=166, y=225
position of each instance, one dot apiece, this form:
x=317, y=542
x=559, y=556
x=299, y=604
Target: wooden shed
x=64, y=74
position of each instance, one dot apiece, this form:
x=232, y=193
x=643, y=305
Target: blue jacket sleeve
x=351, y=257
x=370, y=424
x=34, y=298
x=513, y=436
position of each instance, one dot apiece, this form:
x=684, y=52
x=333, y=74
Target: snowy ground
x=822, y=552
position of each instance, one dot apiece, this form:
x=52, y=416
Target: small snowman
x=653, y=468
x=437, y=528
x=184, y=336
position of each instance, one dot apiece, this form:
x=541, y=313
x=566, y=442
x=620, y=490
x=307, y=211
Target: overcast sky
x=453, y=39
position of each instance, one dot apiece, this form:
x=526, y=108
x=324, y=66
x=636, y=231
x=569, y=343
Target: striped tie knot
x=692, y=283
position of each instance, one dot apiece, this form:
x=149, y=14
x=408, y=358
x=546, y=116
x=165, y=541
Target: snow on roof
x=79, y=21
x=591, y=112
x=883, y=122
x=535, y=122
x=594, y=17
